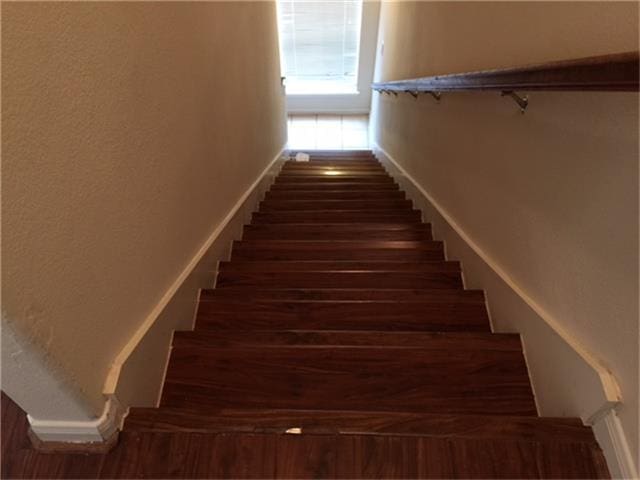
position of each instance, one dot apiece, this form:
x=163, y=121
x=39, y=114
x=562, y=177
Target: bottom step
x=196, y=455
x=361, y=423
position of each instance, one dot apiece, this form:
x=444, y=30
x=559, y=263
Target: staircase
x=339, y=342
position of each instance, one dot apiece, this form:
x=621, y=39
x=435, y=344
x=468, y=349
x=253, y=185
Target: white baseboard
x=567, y=379
x=94, y=431
x=610, y=435
x=137, y=373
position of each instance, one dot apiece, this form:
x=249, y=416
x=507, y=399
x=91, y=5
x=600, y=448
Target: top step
x=362, y=164
x=333, y=153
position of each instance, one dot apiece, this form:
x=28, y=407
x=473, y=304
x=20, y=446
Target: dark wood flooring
x=338, y=343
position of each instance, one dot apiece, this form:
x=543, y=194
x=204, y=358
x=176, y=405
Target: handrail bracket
x=416, y=93
x=523, y=102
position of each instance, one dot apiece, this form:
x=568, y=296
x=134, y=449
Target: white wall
x=348, y=103
x=129, y=132
x=551, y=196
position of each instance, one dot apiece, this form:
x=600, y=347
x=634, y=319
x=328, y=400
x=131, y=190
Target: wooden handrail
x=617, y=72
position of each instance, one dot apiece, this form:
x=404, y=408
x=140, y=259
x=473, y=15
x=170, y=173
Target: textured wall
x=129, y=131
x=552, y=195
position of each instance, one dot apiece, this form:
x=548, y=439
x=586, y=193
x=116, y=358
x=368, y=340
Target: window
x=319, y=45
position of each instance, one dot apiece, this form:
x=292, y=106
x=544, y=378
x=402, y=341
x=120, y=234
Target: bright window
x=319, y=45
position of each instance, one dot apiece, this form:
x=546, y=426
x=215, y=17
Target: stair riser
x=343, y=165
x=362, y=228
x=508, y=400
x=247, y=253
x=338, y=160
x=250, y=322
x=400, y=296
x=336, y=195
x=222, y=312
x=323, y=245
x=320, y=176
x=372, y=235
x=330, y=154
x=334, y=171
x=386, y=216
x=290, y=205
x=334, y=181
x=364, y=338
x=339, y=280
x=310, y=266
x=351, y=186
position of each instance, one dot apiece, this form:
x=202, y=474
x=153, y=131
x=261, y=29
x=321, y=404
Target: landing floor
x=196, y=455
x=328, y=132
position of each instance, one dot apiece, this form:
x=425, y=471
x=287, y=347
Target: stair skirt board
x=137, y=375
x=595, y=395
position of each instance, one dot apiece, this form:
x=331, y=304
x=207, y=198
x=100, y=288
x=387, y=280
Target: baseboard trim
x=612, y=440
x=598, y=406
x=85, y=436
x=73, y=448
x=129, y=379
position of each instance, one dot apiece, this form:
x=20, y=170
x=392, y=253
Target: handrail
x=616, y=72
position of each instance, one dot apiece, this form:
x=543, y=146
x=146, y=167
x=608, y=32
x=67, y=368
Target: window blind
x=319, y=45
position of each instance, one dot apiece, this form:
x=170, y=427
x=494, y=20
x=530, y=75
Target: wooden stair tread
x=322, y=160
x=352, y=186
x=336, y=216
x=335, y=234
x=332, y=152
x=249, y=252
x=242, y=313
x=321, y=175
x=337, y=250
x=337, y=231
x=168, y=443
x=340, y=244
x=341, y=227
x=350, y=378
x=337, y=266
x=518, y=428
x=345, y=338
x=337, y=194
x=327, y=204
x=334, y=165
x=335, y=179
x=396, y=295
x=314, y=191
x=254, y=455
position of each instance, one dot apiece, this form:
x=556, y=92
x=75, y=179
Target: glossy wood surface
x=616, y=72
